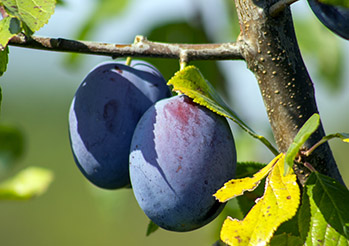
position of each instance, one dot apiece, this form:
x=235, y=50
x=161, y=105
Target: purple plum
x=103, y=115
x=181, y=154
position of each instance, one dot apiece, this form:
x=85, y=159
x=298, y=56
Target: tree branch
x=273, y=55
x=280, y=6
x=140, y=48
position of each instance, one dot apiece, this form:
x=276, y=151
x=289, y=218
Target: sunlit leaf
x=9, y=27
x=324, y=212
x=152, y=227
x=34, y=13
x=190, y=82
x=278, y=204
x=302, y=136
x=3, y=61
x=29, y=183
x=237, y=187
x=247, y=201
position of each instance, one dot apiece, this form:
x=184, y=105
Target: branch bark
x=140, y=48
x=272, y=54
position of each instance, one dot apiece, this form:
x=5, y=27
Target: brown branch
x=280, y=6
x=140, y=48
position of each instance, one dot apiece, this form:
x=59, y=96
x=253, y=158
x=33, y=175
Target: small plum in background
x=335, y=18
x=103, y=115
x=181, y=154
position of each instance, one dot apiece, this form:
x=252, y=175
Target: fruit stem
x=182, y=65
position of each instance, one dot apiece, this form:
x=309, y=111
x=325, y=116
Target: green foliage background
x=38, y=88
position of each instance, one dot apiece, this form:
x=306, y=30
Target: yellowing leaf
x=278, y=204
x=34, y=13
x=9, y=27
x=236, y=187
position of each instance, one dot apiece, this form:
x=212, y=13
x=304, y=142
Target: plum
x=103, y=115
x=181, y=154
x=336, y=18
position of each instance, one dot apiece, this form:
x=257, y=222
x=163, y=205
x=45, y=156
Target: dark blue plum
x=336, y=18
x=181, y=154
x=103, y=115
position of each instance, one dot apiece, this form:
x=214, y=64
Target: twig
x=279, y=6
x=140, y=48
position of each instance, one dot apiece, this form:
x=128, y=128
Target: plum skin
x=103, y=115
x=335, y=18
x=181, y=154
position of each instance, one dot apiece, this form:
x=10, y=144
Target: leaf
x=152, y=227
x=11, y=145
x=303, y=134
x=249, y=198
x=34, y=13
x=247, y=169
x=286, y=240
x=190, y=82
x=324, y=211
x=279, y=203
x=29, y=183
x=9, y=27
x=237, y=187
x=343, y=136
x=341, y=3
x=3, y=61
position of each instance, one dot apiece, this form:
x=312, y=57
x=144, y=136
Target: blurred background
x=38, y=88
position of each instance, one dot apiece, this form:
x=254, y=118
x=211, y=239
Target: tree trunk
x=272, y=54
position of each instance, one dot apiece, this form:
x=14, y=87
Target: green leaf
x=152, y=227
x=29, y=183
x=342, y=3
x=303, y=134
x=247, y=169
x=34, y=13
x=9, y=27
x=191, y=82
x=286, y=240
x=3, y=61
x=343, y=136
x=11, y=145
x=324, y=216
